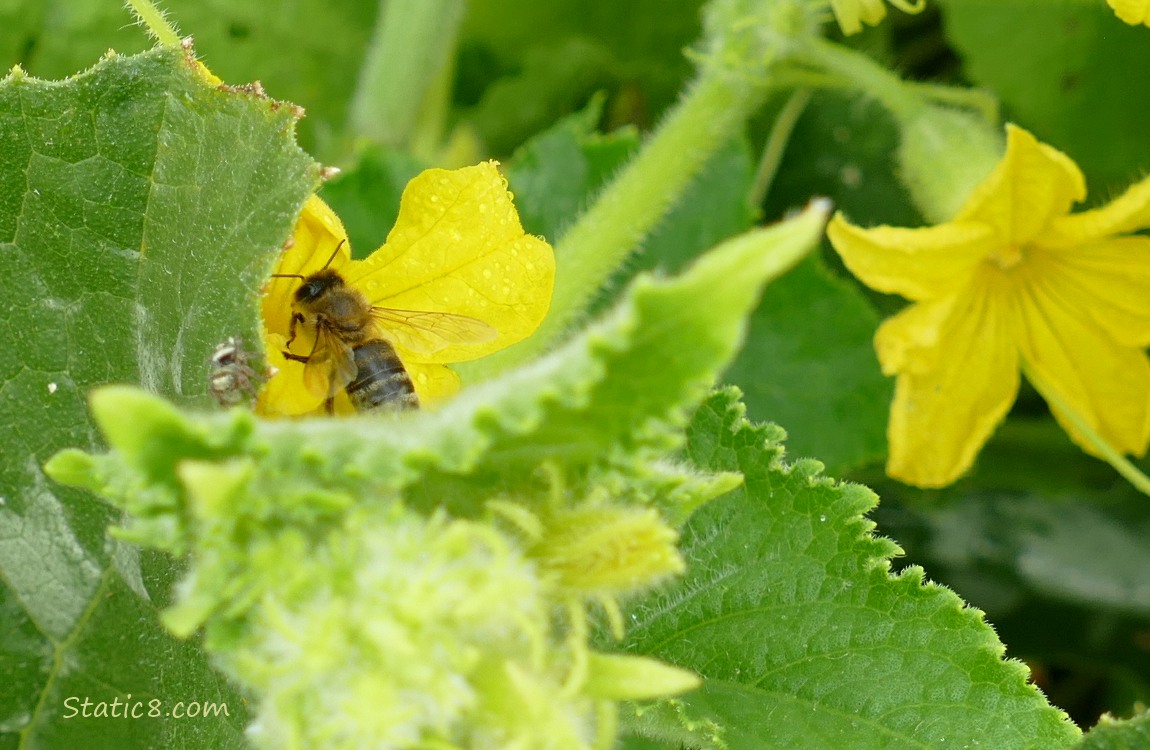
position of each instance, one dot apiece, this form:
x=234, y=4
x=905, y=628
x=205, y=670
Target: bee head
x=317, y=285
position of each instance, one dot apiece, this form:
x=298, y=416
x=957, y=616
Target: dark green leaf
x=556, y=174
x=139, y=209
x=804, y=638
x=810, y=367
x=307, y=52
x=1058, y=69
x=544, y=60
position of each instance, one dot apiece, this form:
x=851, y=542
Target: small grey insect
x=231, y=378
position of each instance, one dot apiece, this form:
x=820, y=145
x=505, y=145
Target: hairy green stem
x=1105, y=450
x=776, y=144
x=711, y=112
x=974, y=99
x=153, y=19
x=411, y=46
x=868, y=75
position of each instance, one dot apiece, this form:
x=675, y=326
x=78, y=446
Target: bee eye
x=310, y=290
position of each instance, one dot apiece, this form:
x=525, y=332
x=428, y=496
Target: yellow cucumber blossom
x=457, y=249
x=1014, y=281
x=852, y=14
x=1132, y=12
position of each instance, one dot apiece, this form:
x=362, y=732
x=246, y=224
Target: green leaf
x=810, y=367
x=280, y=515
x=808, y=363
x=804, y=638
x=1056, y=565
x=614, y=383
x=843, y=148
x=619, y=381
x=556, y=173
x=1115, y=734
x=306, y=52
x=714, y=206
x=139, y=209
x=1057, y=547
x=1056, y=67
x=543, y=60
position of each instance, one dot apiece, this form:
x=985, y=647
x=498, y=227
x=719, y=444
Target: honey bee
x=353, y=347
x=231, y=378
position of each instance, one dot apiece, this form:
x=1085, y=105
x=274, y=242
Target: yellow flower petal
x=908, y=342
x=851, y=14
x=1126, y=213
x=458, y=247
x=1012, y=276
x=919, y=264
x=1032, y=184
x=1109, y=281
x=284, y=393
x=1106, y=383
x=318, y=234
x=1132, y=12
x=433, y=383
x=941, y=416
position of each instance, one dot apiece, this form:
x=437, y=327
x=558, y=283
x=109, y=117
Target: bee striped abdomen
x=381, y=382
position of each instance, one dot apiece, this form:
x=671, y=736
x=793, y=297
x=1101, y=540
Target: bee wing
x=430, y=332
x=331, y=365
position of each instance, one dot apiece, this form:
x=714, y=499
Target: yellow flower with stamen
x=457, y=247
x=1132, y=12
x=852, y=14
x=1013, y=282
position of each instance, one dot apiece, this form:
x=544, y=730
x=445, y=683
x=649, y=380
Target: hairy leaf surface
x=139, y=208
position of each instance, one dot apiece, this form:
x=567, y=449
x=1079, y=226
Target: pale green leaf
x=1115, y=734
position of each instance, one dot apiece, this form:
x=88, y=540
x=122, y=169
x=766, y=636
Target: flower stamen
x=1006, y=257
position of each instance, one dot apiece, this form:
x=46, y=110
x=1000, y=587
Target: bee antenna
x=334, y=253
x=301, y=277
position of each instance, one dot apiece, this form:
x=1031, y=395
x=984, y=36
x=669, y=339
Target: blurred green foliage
x=1041, y=537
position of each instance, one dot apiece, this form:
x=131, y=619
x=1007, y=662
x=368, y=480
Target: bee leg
x=296, y=357
x=329, y=405
x=295, y=318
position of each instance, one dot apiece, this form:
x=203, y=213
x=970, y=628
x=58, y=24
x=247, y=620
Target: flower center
x=1006, y=256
